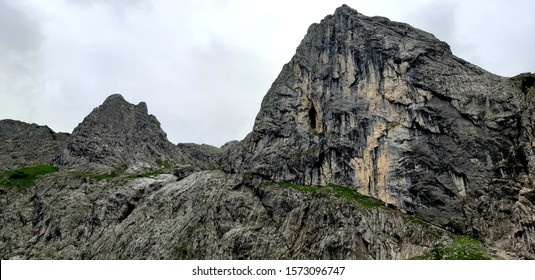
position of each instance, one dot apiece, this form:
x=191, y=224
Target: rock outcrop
x=208, y=215
x=203, y=156
x=388, y=110
x=118, y=135
x=23, y=144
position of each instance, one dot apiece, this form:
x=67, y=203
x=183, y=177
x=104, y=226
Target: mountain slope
x=374, y=142
x=208, y=215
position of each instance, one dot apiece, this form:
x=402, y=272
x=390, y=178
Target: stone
x=208, y=215
x=203, y=156
x=18, y=142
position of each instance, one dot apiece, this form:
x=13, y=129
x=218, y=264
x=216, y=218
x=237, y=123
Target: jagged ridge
x=118, y=134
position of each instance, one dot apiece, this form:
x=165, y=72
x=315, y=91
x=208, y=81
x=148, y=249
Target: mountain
x=374, y=142
x=117, y=135
x=387, y=109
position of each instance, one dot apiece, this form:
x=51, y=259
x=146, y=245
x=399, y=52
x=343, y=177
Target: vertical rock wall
x=388, y=110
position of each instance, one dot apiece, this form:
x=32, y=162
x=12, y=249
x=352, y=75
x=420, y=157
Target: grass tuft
x=98, y=177
x=145, y=174
x=180, y=253
x=338, y=191
x=351, y=194
x=415, y=220
x=164, y=163
x=461, y=248
x=311, y=189
x=25, y=176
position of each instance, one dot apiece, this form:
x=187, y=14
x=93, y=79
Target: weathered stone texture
x=118, y=135
x=388, y=110
x=23, y=144
x=208, y=215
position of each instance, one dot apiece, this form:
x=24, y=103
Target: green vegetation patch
x=531, y=93
x=102, y=176
x=461, y=248
x=180, y=253
x=25, y=176
x=351, y=194
x=415, y=220
x=165, y=166
x=338, y=191
x=118, y=173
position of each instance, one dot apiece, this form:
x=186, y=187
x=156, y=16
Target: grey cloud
x=120, y=8
x=498, y=36
x=437, y=17
x=490, y=34
x=19, y=32
x=224, y=90
x=118, y=5
x=20, y=42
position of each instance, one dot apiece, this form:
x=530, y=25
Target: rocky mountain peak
x=343, y=10
x=116, y=102
x=115, y=98
x=117, y=134
x=387, y=109
x=374, y=36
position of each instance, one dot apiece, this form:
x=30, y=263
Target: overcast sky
x=204, y=66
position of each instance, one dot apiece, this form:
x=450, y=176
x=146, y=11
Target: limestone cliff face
x=117, y=134
x=23, y=144
x=387, y=109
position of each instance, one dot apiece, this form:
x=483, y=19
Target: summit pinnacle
x=117, y=134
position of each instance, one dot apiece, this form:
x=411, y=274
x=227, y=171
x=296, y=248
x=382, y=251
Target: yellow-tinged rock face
x=388, y=110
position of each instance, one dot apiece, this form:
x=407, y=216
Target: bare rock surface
x=388, y=110
x=208, y=215
x=202, y=156
x=115, y=135
x=23, y=144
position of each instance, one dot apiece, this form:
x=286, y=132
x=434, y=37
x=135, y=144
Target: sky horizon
x=203, y=66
